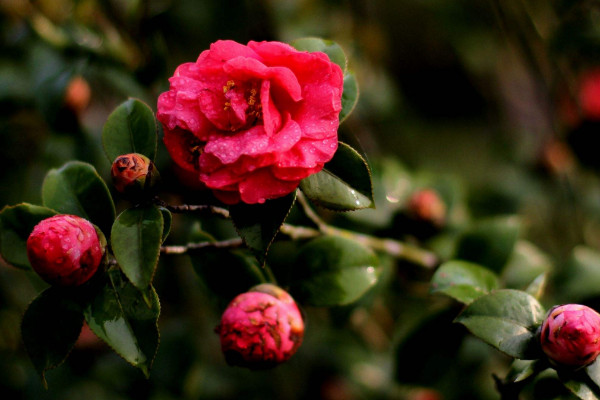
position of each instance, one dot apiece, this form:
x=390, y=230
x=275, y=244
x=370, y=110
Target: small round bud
x=570, y=335
x=65, y=250
x=77, y=95
x=426, y=205
x=261, y=328
x=133, y=173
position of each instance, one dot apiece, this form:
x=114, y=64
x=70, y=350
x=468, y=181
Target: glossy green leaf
x=76, y=188
x=331, y=270
x=343, y=184
x=349, y=95
x=227, y=273
x=258, y=224
x=167, y=220
x=16, y=224
x=50, y=328
x=130, y=128
x=136, y=237
x=463, y=281
x=537, y=287
x=522, y=370
x=579, y=385
x=507, y=320
x=329, y=47
x=126, y=319
x=593, y=372
x=489, y=242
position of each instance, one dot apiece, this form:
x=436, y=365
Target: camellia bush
x=239, y=224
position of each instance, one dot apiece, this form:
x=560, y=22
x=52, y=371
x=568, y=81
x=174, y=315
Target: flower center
x=242, y=104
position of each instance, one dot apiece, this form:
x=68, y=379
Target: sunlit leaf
x=126, y=319
x=344, y=183
x=507, y=320
x=463, y=281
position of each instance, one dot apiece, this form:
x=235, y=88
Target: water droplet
x=357, y=203
x=80, y=237
x=392, y=199
x=179, y=106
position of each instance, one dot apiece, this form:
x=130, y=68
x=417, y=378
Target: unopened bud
x=134, y=174
x=65, y=250
x=78, y=95
x=426, y=205
x=570, y=335
x=261, y=328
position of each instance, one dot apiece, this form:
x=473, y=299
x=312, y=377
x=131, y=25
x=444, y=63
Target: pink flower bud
x=570, y=335
x=133, y=173
x=426, y=205
x=261, y=328
x=65, y=250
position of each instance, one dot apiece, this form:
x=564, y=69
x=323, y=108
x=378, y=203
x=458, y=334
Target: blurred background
x=492, y=105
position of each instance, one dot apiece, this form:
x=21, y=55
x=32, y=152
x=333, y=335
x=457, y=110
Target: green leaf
x=522, y=370
x=16, y=224
x=136, y=237
x=489, y=242
x=349, y=95
x=537, y=287
x=507, y=320
x=76, y=188
x=126, y=319
x=344, y=183
x=258, y=224
x=227, y=273
x=329, y=47
x=579, y=384
x=167, y=219
x=50, y=328
x=130, y=128
x=463, y=281
x=593, y=372
x=331, y=270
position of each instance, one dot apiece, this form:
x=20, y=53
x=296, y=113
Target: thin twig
x=186, y=208
x=190, y=247
x=392, y=247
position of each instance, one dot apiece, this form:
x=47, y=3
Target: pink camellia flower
x=570, y=335
x=252, y=121
x=261, y=328
x=133, y=173
x=64, y=250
